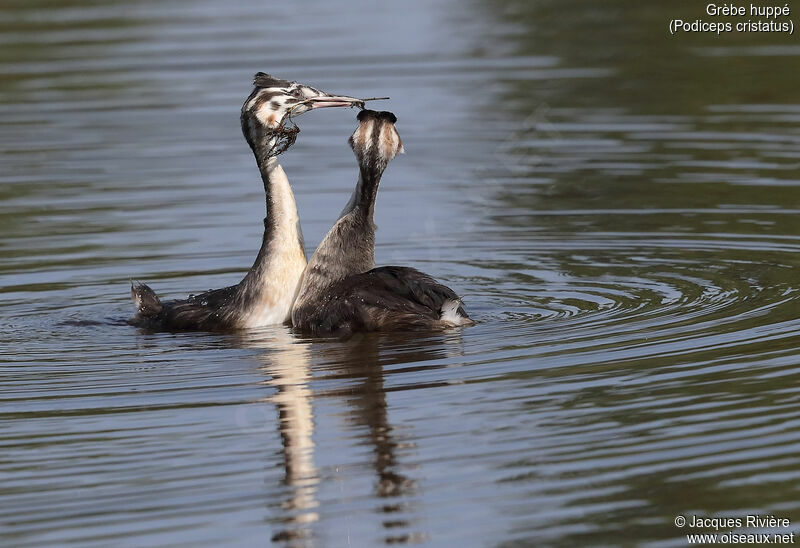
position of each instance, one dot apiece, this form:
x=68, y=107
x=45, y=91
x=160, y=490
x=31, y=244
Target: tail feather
x=453, y=313
x=145, y=299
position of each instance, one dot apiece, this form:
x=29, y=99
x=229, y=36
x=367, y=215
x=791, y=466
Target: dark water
x=620, y=209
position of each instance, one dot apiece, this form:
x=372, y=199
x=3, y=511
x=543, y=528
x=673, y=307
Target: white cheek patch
x=268, y=113
x=266, y=116
x=385, y=142
x=398, y=144
x=365, y=135
x=389, y=142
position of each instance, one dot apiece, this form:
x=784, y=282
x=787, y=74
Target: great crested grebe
x=266, y=293
x=342, y=292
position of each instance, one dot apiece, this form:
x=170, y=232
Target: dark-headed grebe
x=266, y=293
x=342, y=292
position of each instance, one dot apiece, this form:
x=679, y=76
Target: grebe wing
x=213, y=298
x=390, y=285
x=204, y=311
x=388, y=297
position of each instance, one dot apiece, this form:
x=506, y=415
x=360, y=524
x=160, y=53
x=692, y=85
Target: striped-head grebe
x=266, y=293
x=342, y=292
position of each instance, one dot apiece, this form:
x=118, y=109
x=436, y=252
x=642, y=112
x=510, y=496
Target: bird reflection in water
x=356, y=367
x=287, y=365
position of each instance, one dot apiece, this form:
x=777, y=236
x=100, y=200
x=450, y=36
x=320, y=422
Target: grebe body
x=266, y=293
x=342, y=291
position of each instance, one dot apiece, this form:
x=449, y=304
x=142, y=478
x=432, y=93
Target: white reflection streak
x=288, y=364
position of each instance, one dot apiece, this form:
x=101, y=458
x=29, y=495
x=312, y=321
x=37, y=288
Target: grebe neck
x=271, y=284
x=349, y=246
x=362, y=201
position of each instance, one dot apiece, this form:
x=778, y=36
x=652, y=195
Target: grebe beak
x=324, y=101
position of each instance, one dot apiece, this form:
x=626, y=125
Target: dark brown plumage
x=387, y=298
x=209, y=311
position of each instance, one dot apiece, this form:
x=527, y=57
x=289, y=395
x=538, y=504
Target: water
x=618, y=207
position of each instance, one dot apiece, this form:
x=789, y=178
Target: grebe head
x=375, y=141
x=274, y=102
x=273, y=99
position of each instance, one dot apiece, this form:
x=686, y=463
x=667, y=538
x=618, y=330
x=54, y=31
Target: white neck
x=266, y=293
